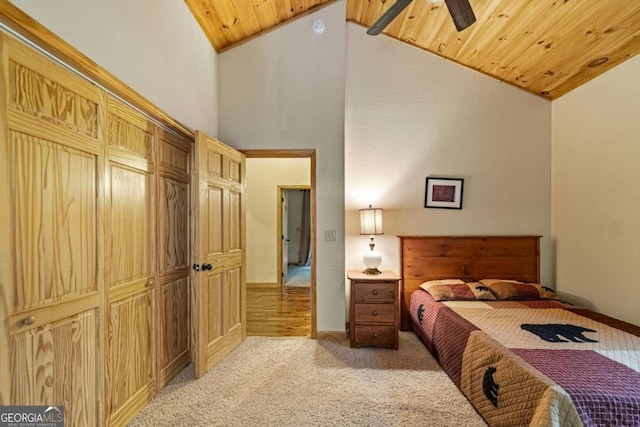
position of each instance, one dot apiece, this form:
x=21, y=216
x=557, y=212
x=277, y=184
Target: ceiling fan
x=460, y=11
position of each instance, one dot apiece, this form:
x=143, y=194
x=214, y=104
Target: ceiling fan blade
x=387, y=17
x=461, y=13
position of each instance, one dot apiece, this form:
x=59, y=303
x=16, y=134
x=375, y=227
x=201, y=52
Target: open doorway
x=294, y=235
x=274, y=309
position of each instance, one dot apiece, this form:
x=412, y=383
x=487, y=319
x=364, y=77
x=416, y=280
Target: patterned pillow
x=488, y=282
x=426, y=285
x=545, y=292
x=514, y=290
x=459, y=292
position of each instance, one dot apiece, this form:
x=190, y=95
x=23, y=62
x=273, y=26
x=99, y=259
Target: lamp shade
x=371, y=221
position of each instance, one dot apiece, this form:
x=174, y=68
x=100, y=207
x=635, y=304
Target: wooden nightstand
x=374, y=309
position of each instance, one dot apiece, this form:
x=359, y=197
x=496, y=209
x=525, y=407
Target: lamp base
x=372, y=271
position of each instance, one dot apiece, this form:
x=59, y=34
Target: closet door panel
x=56, y=221
x=57, y=363
x=131, y=136
x=174, y=225
x=51, y=200
x=173, y=327
x=131, y=262
x=173, y=346
x=175, y=156
x=51, y=94
x=131, y=221
x=130, y=352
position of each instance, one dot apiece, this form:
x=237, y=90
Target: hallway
x=298, y=275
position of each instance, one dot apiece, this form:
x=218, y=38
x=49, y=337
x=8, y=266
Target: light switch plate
x=330, y=235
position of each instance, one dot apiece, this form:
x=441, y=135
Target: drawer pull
x=375, y=313
x=375, y=335
x=149, y=283
x=375, y=292
x=29, y=320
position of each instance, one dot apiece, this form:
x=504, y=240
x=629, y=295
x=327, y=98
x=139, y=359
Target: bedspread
x=536, y=362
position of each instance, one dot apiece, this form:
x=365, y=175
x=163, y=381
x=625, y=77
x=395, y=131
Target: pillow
x=459, y=292
x=488, y=282
x=427, y=285
x=514, y=290
x=545, y=292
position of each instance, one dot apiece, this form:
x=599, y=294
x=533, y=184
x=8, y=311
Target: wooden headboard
x=468, y=258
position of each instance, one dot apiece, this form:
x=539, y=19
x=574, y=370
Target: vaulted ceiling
x=547, y=47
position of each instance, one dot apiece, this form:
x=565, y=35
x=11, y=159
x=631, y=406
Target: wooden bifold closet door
x=147, y=266
x=103, y=214
x=173, y=266
x=95, y=203
x=130, y=261
x=52, y=142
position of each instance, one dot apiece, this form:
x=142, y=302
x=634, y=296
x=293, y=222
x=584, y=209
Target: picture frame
x=443, y=193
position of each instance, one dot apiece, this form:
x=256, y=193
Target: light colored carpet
x=298, y=276
x=304, y=382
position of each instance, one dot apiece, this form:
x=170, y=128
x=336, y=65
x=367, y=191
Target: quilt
x=535, y=362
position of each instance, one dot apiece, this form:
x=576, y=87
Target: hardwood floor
x=279, y=312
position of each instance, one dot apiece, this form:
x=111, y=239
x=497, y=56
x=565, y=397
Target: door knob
x=29, y=320
x=207, y=266
x=196, y=267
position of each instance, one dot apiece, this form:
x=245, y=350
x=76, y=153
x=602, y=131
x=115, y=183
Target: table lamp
x=371, y=224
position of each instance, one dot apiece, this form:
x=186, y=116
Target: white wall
x=596, y=195
x=283, y=90
x=262, y=179
x=154, y=46
x=409, y=115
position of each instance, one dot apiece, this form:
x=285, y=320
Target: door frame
x=280, y=227
x=311, y=155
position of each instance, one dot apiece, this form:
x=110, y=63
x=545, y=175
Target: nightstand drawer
x=376, y=335
x=375, y=313
x=375, y=292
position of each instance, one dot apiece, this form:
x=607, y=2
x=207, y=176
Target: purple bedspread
x=537, y=362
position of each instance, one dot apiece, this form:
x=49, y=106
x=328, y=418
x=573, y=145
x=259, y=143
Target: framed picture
x=443, y=193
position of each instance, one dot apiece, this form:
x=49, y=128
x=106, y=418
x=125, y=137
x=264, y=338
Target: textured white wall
x=285, y=89
x=154, y=46
x=596, y=196
x=263, y=178
x=410, y=114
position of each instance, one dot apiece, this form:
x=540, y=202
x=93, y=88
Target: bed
x=522, y=358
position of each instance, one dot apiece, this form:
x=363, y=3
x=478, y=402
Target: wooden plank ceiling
x=547, y=47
